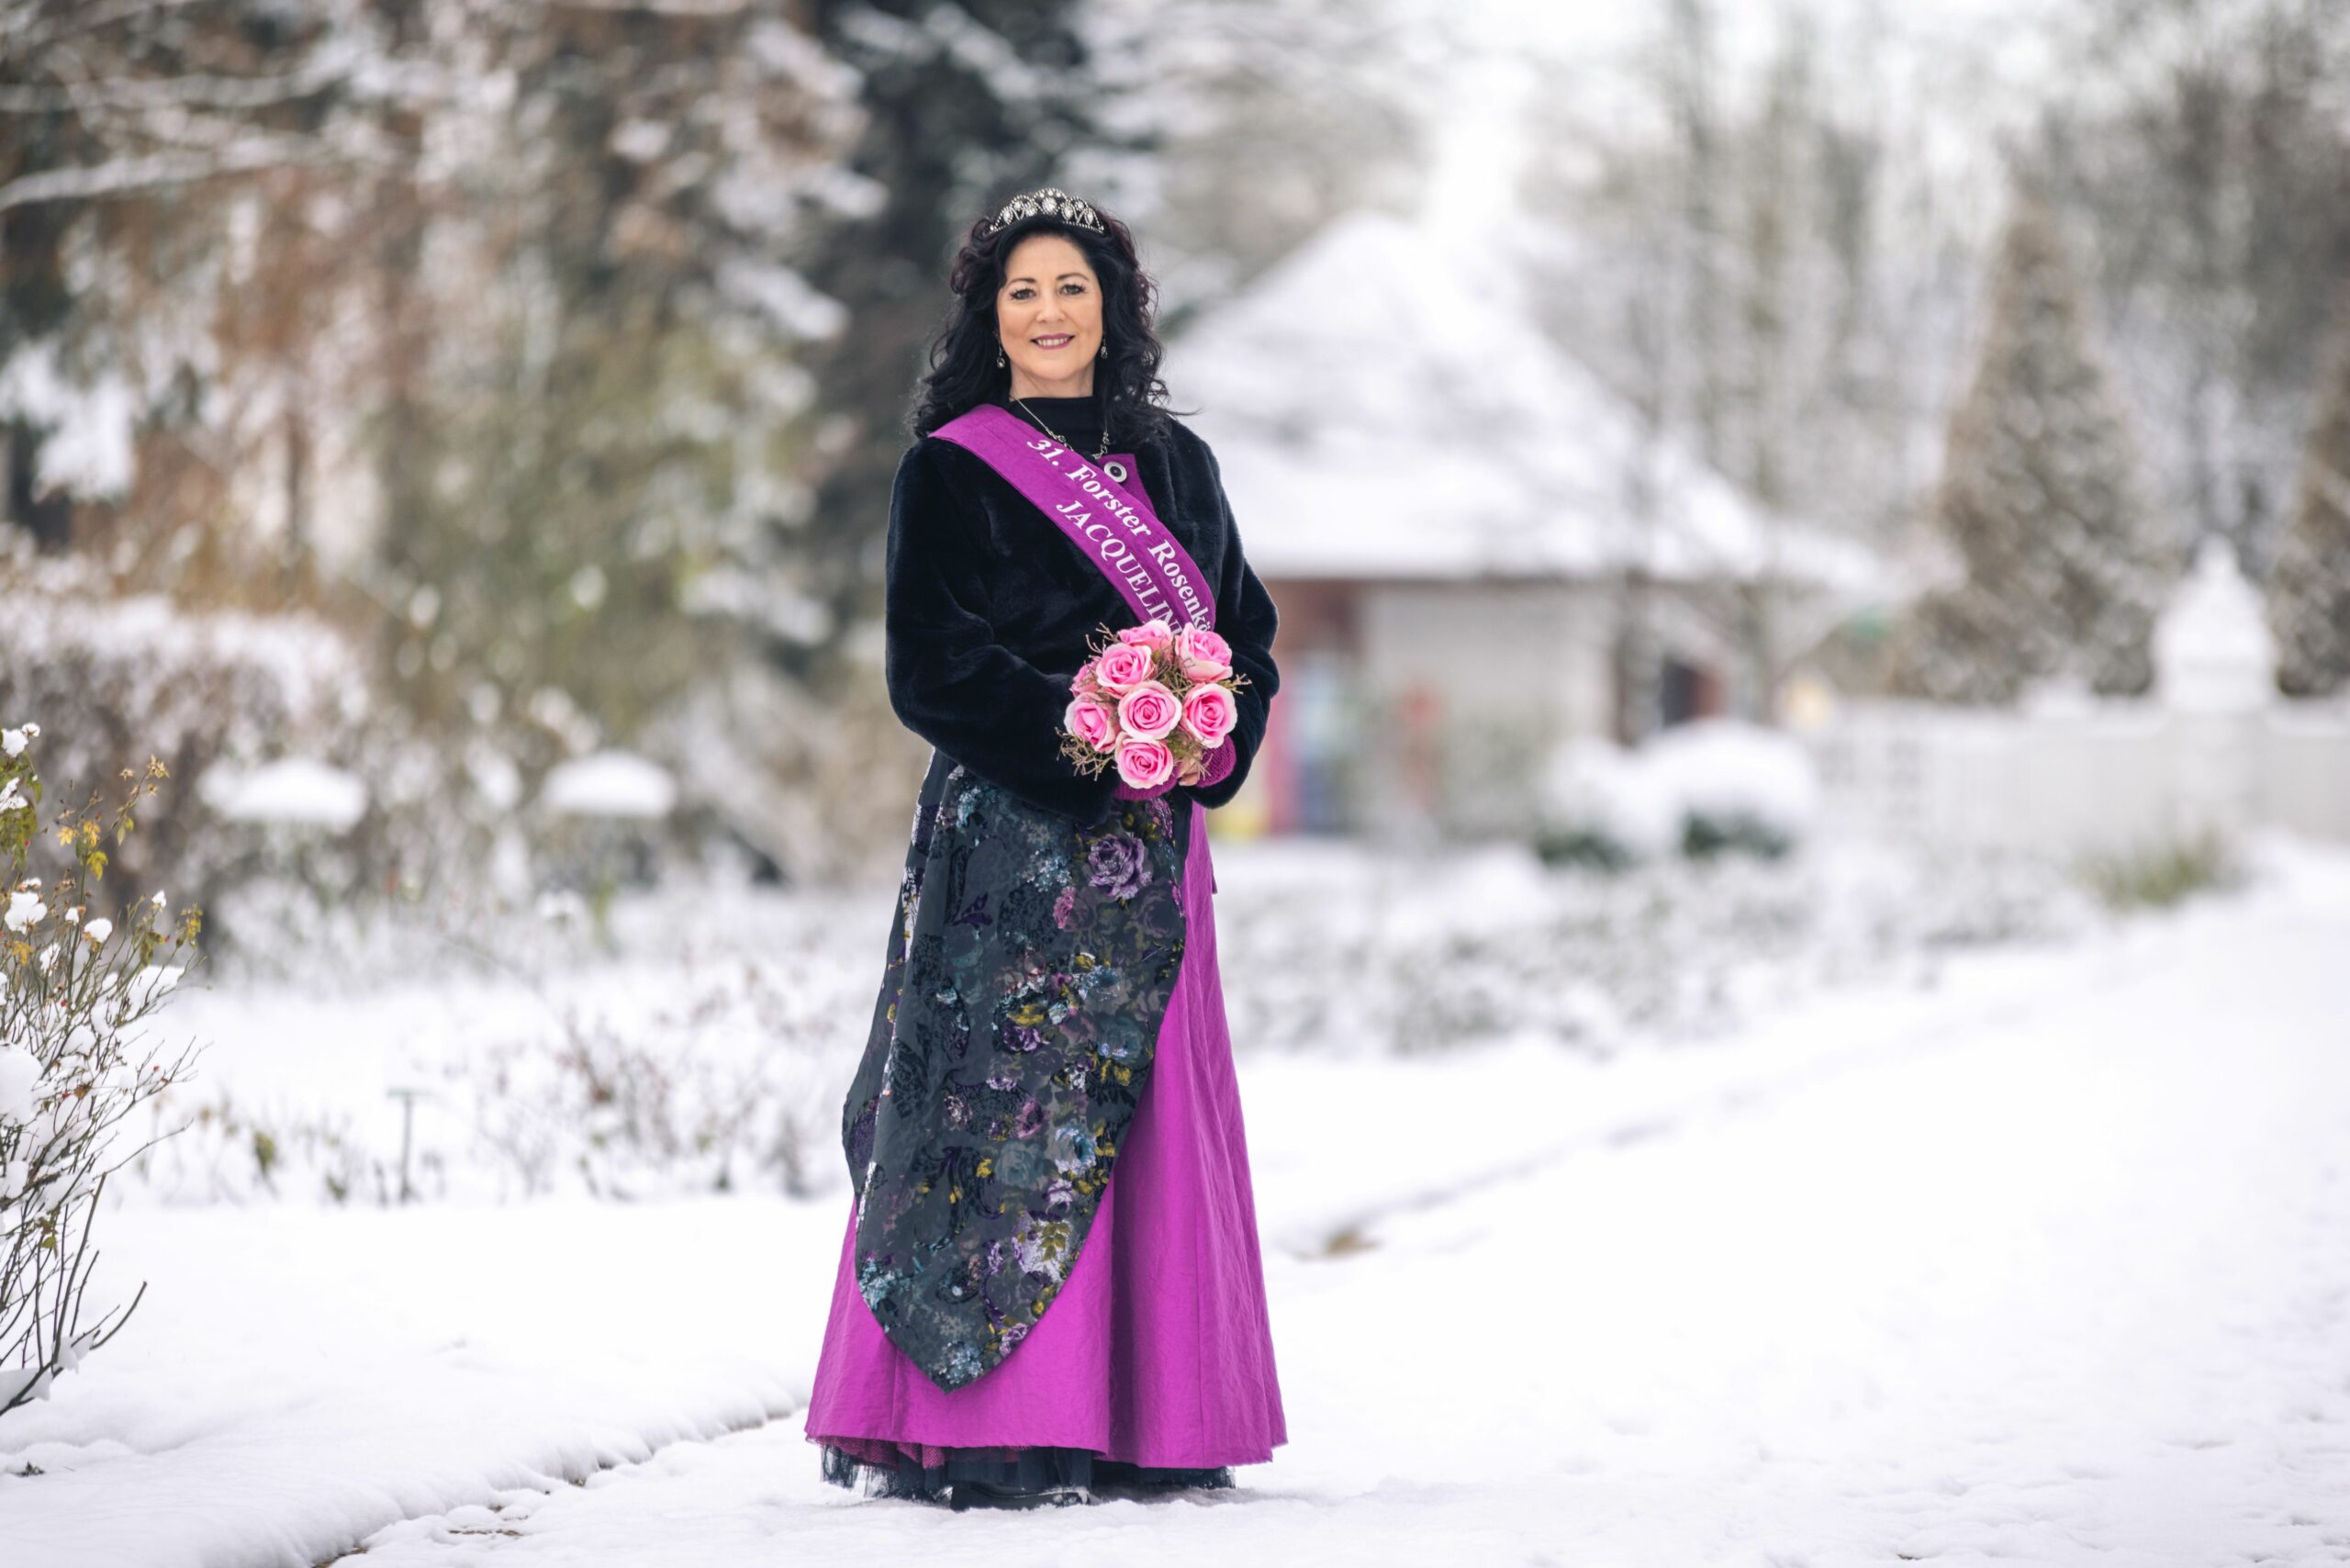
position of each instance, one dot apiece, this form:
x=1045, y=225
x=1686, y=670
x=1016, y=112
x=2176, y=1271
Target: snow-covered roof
x=1384, y=408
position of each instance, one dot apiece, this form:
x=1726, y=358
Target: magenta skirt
x=1157, y=1351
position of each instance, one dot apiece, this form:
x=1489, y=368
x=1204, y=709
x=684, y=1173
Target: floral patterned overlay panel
x=1029, y=968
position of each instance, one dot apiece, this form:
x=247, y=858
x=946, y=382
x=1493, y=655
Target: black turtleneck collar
x=1063, y=414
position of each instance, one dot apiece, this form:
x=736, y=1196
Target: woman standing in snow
x=1050, y=1014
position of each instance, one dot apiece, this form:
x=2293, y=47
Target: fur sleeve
x=951, y=681
x=1244, y=615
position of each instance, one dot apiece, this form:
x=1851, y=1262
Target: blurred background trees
x=551, y=359
x=2063, y=564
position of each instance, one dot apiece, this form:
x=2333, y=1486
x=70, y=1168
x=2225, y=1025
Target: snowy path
x=2050, y=1268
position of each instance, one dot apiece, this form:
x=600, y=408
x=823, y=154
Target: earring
x=999, y=356
x=1105, y=350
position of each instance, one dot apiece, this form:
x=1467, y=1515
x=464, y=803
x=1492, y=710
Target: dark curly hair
x=963, y=371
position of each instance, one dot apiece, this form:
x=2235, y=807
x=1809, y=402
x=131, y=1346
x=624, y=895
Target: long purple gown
x=1157, y=1351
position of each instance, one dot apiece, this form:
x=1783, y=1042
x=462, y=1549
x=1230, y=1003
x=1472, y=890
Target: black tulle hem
x=1015, y=1477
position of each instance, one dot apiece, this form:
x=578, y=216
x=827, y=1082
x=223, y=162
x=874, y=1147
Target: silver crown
x=1050, y=202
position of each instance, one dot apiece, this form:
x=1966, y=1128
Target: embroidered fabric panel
x=1028, y=971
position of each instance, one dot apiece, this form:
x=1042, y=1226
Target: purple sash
x=1111, y=524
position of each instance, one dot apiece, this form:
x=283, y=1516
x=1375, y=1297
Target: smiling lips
x=1054, y=341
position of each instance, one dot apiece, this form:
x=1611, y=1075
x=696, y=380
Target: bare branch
x=178, y=92
x=137, y=174
x=76, y=19
x=658, y=7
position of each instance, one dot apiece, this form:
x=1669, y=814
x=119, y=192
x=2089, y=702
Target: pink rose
x=1092, y=723
x=1153, y=634
x=1209, y=713
x=1123, y=665
x=1203, y=655
x=1144, y=765
x=1149, y=712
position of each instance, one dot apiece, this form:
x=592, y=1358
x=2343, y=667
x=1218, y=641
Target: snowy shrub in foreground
x=73, y=987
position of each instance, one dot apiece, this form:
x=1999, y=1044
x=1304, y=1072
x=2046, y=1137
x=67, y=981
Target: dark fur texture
x=990, y=608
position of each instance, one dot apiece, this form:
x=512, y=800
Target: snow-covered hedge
x=1369, y=954
x=303, y=808
x=211, y=695
x=703, y=1044
x=1696, y=788
x=710, y=1046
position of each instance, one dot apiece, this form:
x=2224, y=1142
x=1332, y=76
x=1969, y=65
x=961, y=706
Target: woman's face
x=1048, y=314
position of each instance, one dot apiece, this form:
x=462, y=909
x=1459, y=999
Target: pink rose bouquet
x=1157, y=704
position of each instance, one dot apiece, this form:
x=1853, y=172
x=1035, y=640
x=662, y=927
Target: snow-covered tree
x=958, y=108
x=2064, y=567
x=2205, y=151
x=1345, y=89
x=126, y=134
x=2309, y=590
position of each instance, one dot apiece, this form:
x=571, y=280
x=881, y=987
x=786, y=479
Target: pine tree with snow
x=958, y=113
x=2064, y=568
x=2308, y=589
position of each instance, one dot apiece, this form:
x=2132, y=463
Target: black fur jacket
x=990, y=608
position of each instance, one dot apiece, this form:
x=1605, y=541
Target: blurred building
x=1462, y=526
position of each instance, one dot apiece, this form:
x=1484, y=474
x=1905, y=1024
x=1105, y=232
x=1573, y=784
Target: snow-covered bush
x=1699, y=788
x=1736, y=785
x=724, y=1086
x=319, y=823
x=1601, y=808
x=2163, y=872
x=707, y=1047
x=211, y=694
x=74, y=987
x=1372, y=953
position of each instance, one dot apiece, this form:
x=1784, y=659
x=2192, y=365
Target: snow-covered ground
x=2042, y=1263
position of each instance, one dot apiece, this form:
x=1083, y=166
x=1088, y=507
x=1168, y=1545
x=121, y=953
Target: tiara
x=1049, y=202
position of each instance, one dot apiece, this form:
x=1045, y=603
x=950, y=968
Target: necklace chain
x=1048, y=429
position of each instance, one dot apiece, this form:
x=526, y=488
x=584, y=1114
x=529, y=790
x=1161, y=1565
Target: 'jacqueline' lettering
x=994, y=435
